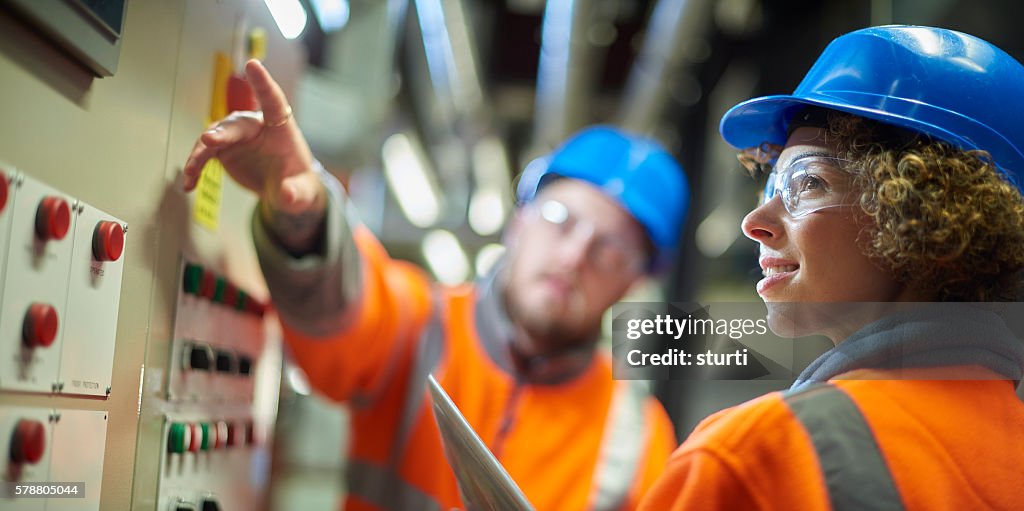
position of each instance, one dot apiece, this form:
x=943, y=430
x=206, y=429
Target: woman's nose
x=764, y=223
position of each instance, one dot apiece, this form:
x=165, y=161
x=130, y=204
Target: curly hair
x=945, y=221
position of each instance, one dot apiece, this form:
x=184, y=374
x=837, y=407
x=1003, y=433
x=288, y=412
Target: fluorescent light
x=445, y=257
x=491, y=199
x=490, y=163
x=405, y=169
x=486, y=211
x=332, y=14
x=488, y=256
x=717, y=232
x=289, y=15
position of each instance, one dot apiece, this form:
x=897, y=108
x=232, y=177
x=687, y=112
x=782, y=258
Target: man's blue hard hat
x=951, y=86
x=635, y=171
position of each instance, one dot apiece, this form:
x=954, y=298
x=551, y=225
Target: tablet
x=483, y=482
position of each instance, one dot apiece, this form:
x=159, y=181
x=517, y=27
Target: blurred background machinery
x=138, y=353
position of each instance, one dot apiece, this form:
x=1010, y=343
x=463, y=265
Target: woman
x=891, y=181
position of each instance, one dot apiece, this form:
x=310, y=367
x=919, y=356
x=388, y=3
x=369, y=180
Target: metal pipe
x=563, y=77
x=675, y=27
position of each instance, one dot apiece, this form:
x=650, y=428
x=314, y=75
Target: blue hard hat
x=951, y=86
x=635, y=171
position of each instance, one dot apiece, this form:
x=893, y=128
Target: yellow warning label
x=208, y=191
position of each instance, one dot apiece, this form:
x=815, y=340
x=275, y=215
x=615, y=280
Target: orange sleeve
x=698, y=479
x=752, y=456
x=382, y=332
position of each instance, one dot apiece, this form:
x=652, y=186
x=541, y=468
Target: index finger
x=272, y=99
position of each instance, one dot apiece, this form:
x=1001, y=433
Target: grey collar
x=497, y=332
x=930, y=336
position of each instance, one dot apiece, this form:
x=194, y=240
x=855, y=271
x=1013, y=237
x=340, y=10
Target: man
x=516, y=352
x=895, y=177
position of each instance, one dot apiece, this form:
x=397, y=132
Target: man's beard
x=548, y=333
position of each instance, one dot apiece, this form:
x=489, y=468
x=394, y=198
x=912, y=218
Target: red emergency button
x=240, y=95
x=53, y=218
x=28, y=443
x=108, y=241
x=40, y=327
x=4, y=185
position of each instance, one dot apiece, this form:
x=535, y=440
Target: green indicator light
x=193, y=275
x=218, y=292
x=176, y=438
x=205, y=445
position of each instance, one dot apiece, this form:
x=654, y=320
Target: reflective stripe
x=383, y=488
x=428, y=353
x=856, y=475
x=625, y=438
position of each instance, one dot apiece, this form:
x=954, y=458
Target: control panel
x=215, y=449
x=62, y=267
x=107, y=351
x=61, y=261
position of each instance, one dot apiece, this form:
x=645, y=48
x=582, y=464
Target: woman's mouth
x=775, y=272
x=772, y=270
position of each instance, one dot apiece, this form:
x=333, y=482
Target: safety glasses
x=606, y=252
x=811, y=183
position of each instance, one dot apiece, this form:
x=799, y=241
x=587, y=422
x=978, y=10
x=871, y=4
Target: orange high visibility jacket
x=572, y=440
x=914, y=443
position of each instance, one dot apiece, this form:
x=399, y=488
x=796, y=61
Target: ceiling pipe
x=565, y=72
x=674, y=36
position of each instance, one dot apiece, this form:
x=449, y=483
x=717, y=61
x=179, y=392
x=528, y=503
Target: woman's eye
x=810, y=183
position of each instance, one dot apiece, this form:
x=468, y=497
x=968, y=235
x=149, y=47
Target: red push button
x=4, y=190
x=108, y=241
x=195, y=437
x=28, y=443
x=240, y=94
x=40, y=327
x=208, y=286
x=53, y=218
x=253, y=306
x=230, y=295
x=232, y=439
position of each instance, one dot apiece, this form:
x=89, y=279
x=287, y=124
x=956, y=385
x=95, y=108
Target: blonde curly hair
x=945, y=221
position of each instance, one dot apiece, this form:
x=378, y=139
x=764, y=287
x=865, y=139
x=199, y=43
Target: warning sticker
x=208, y=192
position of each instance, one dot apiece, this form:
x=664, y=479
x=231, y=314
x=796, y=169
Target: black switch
x=244, y=365
x=198, y=357
x=210, y=505
x=225, y=362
